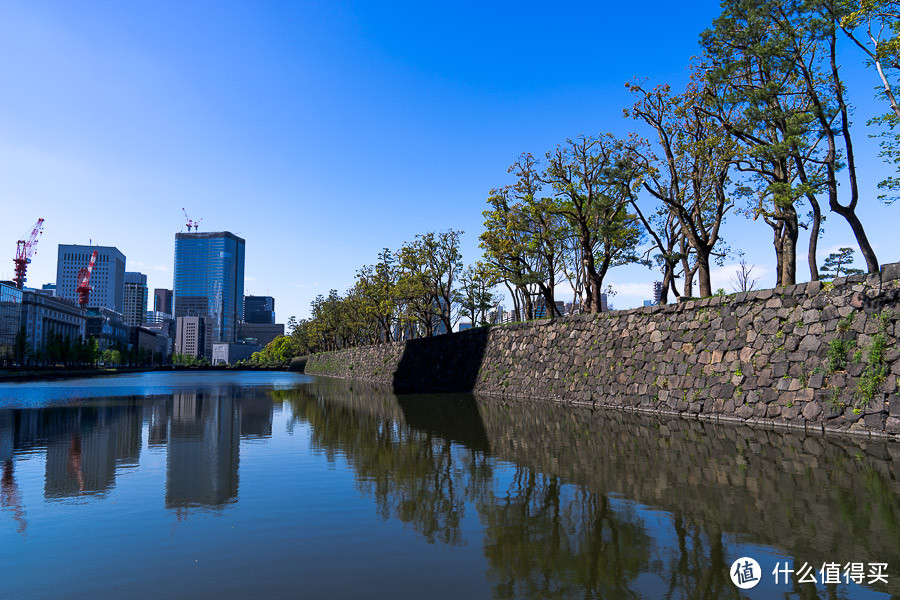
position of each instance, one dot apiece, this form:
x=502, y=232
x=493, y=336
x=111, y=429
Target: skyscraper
x=135, y=298
x=259, y=309
x=107, y=279
x=162, y=300
x=209, y=282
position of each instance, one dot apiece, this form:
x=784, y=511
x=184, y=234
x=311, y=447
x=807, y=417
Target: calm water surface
x=277, y=485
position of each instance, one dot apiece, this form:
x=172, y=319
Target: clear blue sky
x=323, y=132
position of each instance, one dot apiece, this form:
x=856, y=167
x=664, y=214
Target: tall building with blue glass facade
x=10, y=322
x=209, y=282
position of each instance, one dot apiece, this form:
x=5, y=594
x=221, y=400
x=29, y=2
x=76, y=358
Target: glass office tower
x=10, y=322
x=209, y=282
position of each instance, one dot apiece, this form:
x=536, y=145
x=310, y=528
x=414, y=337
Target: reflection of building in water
x=83, y=463
x=127, y=427
x=256, y=417
x=7, y=435
x=202, y=457
x=86, y=445
x=158, y=424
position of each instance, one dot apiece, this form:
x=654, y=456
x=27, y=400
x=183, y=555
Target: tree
x=595, y=207
x=692, y=177
x=743, y=280
x=21, y=345
x=430, y=268
x=377, y=292
x=874, y=26
x=811, y=28
x=757, y=91
x=524, y=238
x=476, y=295
x=837, y=264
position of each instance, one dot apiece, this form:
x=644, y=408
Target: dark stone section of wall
x=814, y=356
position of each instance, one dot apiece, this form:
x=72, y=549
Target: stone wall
x=814, y=356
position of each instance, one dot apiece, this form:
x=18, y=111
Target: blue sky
x=323, y=132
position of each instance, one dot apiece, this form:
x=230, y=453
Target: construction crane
x=84, y=281
x=190, y=223
x=24, y=250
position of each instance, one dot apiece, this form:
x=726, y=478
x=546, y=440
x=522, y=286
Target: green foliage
x=876, y=369
x=279, y=352
x=838, y=264
x=846, y=322
x=189, y=360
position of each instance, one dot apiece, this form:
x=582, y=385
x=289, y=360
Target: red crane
x=24, y=250
x=84, y=281
x=190, y=223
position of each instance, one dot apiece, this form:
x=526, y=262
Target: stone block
x=890, y=272
x=895, y=403
x=892, y=425
x=790, y=412
x=874, y=422
x=811, y=411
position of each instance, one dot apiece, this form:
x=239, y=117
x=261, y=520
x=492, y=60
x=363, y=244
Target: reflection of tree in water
x=11, y=496
x=544, y=539
x=549, y=528
x=414, y=476
x=698, y=568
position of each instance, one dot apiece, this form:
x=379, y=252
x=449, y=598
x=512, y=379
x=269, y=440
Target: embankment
x=813, y=356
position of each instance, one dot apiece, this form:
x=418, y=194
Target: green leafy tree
x=838, y=264
x=476, y=292
x=757, y=92
x=595, y=207
x=692, y=175
x=376, y=286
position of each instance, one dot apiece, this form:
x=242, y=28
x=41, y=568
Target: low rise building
x=108, y=327
x=165, y=338
x=45, y=316
x=147, y=341
x=231, y=352
x=261, y=333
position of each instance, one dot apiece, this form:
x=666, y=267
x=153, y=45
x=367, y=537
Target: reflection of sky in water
x=33, y=395
x=225, y=487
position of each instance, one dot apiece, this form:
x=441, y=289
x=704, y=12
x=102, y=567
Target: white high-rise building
x=190, y=335
x=107, y=278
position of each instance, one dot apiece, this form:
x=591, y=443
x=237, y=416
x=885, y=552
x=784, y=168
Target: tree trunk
x=703, y=272
x=865, y=248
x=789, y=247
x=814, y=239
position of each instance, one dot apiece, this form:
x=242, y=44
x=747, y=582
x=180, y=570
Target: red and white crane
x=84, y=281
x=24, y=250
x=190, y=223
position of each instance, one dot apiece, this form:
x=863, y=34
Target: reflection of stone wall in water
x=815, y=355
x=766, y=483
x=816, y=498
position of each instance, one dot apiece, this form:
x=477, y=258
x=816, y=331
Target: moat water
x=279, y=485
